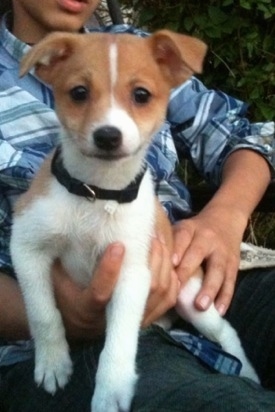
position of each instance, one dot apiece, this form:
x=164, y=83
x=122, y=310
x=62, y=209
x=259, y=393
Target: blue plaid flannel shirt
x=203, y=124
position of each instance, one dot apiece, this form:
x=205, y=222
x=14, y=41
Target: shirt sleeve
x=120, y=28
x=208, y=125
x=170, y=189
x=28, y=131
x=17, y=169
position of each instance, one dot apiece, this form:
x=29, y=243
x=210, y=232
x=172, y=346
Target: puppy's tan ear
x=178, y=55
x=46, y=54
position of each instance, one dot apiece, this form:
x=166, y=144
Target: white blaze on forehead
x=113, y=65
x=117, y=116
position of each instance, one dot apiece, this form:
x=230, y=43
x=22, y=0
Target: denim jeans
x=170, y=378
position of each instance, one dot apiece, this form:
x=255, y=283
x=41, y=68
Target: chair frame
x=115, y=11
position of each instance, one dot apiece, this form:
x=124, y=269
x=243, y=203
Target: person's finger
x=218, y=285
x=64, y=285
x=154, y=312
x=163, y=289
x=210, y=288
x=105, y=277
x=193, y=257
x=223, y=297
x=182, y=238
x=160, y=266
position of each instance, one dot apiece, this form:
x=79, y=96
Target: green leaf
x=146, y=16
x=216, y=15
x=266, y=110
x=240, y=35
x=245, y=4
x=227, y=2
x=188, y=23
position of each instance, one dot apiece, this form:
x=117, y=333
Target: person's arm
x=13, y=320
x=83, y=310
x=213, y=237
x=209, y=125
x=232, y=153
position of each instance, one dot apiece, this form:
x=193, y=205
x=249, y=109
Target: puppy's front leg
x=116, y=376
x=53, y=365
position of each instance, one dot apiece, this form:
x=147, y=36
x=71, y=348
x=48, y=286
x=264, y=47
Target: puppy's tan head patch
x=111, y=82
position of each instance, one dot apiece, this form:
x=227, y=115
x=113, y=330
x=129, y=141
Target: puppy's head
x=111, y=91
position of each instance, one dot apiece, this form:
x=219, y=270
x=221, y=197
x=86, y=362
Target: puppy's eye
x=79, y=93
x=141, y=95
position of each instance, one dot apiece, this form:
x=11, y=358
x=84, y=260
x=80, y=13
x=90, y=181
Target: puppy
x=111, y=94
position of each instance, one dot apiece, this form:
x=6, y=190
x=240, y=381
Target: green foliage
x=241, y=61
x=241, y=40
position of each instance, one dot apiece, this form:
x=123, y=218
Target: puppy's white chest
x=91, y=229
x=94, y=225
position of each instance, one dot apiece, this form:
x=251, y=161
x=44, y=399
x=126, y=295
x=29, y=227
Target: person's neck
x=32, y=35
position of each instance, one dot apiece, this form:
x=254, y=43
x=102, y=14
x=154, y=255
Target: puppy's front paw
x=114, y=394
x=53, y=366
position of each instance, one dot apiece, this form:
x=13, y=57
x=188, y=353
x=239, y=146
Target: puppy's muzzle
x=108, y=138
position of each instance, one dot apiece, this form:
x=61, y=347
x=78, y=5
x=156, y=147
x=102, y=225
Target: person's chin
x=68, y=23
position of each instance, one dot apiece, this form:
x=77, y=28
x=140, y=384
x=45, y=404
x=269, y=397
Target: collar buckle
x=92, y=194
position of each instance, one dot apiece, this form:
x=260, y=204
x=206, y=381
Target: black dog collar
x=76, y=187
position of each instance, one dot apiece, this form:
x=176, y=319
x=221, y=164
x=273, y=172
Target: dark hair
x=5, y=5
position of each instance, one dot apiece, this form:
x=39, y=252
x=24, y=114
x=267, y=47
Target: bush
x=241, y=61
x=241, y=40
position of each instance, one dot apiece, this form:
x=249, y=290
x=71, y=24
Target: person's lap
x=170, y=378
x=252, y=313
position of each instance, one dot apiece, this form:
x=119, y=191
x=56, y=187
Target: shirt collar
x=15, y=47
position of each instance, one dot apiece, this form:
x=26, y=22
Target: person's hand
x=164, y=284
x=212, y=239
x=83, y=309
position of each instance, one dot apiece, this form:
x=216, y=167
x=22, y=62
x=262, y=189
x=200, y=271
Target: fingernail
x=221, y=309
x=204, y=302
x=161, y=238
x=175, y=259
x=117, y=250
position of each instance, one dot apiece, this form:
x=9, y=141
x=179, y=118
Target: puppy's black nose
x=107, y=138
